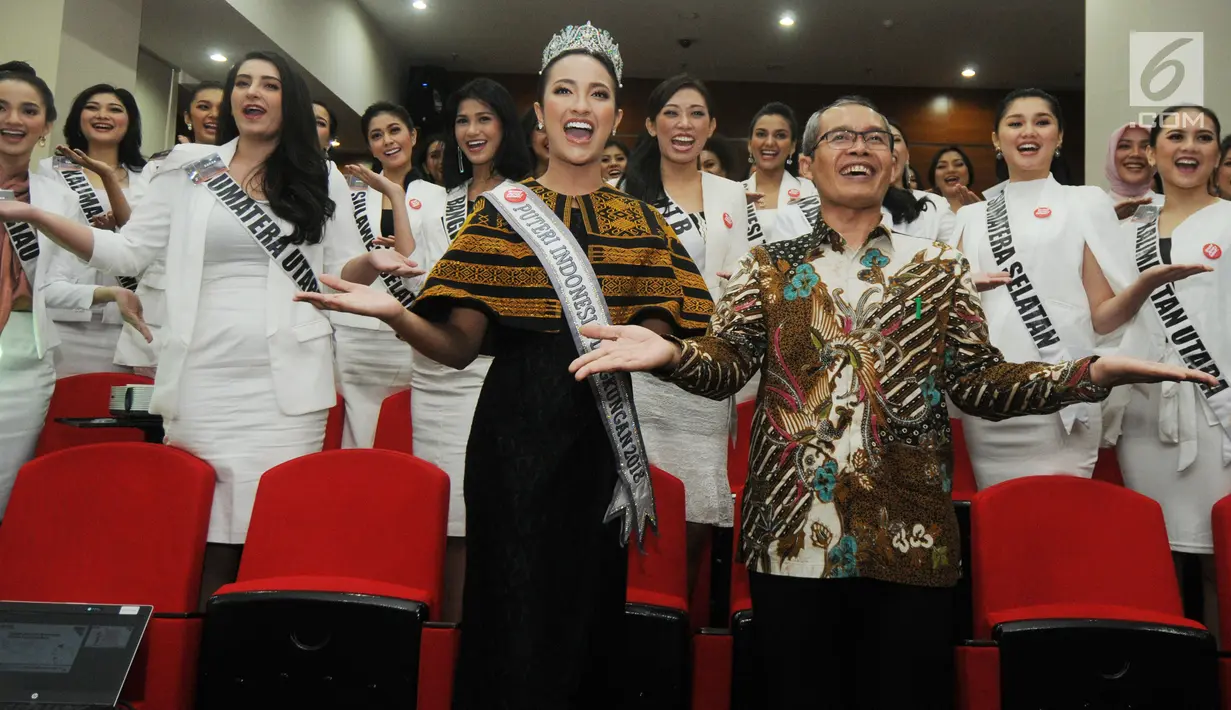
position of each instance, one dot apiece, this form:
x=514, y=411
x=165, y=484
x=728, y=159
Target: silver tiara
x=589, y=39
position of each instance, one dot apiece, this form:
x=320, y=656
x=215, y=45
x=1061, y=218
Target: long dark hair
x=776, y=108
x=400, y=113
x=420, y=156
x=20, y=71
x=970, y=168
x=512, y=159
x=643, y=177
x=718, y=146
x=295, y=176
x=130, y=144
x=333, y=119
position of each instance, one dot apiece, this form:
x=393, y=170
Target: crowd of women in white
x=248, y=388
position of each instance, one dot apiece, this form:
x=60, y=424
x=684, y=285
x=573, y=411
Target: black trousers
x=853, y=644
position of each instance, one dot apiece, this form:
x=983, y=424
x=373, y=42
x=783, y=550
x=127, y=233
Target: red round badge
x=1211, y=251
x=515, y=194
x=726, y=219
x=793, y=194
x=415, y=204
x=1042, y=212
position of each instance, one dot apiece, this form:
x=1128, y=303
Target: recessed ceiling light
x=218, y=57
x=419, y=5
x=335, y=143
x=968, y=72
x=786, y=20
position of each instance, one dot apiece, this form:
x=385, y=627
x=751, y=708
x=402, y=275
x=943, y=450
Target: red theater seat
x=334, y=425
x=86, y=395
x=118, y=523
x=393, y=427
x=1107, y=468
x=1222, y=564
x=1077, y=590
x=345, y=556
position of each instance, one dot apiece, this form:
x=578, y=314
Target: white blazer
x=51, y=195
x=726, y=229
x=426, y=202
x=934, y=224
x=300, y=346
x=79, y=278
x=132, y=350
x=791, y=221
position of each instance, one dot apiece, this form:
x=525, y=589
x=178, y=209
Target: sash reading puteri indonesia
x=581, y=297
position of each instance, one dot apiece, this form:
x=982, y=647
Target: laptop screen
x=67, y=653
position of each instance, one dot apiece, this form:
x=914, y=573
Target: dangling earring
x=460, y=167
x=189, y=126
x=750, y=160
x=1057, y=151
x=613, y=132
x=42, y=141
x=539, y=125
x=999, y=155
x=788, y=161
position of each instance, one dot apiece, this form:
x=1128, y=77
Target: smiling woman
x=100, y=163
x=545, y=573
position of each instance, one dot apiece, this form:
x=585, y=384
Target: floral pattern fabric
x=850, y=462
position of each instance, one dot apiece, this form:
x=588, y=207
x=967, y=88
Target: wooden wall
x=931, y=118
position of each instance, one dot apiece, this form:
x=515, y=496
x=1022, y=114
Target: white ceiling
x=927, y=42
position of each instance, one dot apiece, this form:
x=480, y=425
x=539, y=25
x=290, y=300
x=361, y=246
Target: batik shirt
x=849, y=468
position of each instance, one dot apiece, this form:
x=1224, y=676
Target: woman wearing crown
x=545, y=573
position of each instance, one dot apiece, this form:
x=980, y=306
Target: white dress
x=88, y=334
x=442, y=399
x=371, y=362
x=132, y=350
x=934, y=224
x=1050, y=226
x=229, y=413
x=1160, y=421
x=687, y=435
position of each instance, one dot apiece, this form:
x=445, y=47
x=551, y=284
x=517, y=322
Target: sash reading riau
x=212, y=173
x=1180, y=331
x=25, y=246
x=91, y=206
x=359, y=201
x=1021, y=290
x=455, y=209
x=581, y=297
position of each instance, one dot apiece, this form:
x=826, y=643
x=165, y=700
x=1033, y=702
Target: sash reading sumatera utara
x=582, y=301
x=212, y=173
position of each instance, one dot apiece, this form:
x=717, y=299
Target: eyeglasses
x=842, y=139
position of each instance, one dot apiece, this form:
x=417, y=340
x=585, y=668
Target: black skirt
x=543, y=606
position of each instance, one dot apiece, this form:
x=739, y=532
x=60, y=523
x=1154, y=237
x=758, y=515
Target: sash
x=676, y=218
x=1183, y=336
x=581, y=298
x=455, y=209
x=811, y=207
x=756, y=235
x=359, y=201
x=1021, y=290
x=91, y=206
x=212, y=173
x=25, y=246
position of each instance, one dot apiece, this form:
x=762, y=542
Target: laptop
x=67, y=656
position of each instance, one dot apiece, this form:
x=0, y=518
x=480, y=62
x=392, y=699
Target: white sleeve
x=341, y=238
x=63, y=287
x=144, y=238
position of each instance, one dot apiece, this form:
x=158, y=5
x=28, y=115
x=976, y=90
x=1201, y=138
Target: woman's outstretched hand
x=353, y=298
x=1115, y=370
x=625, y=348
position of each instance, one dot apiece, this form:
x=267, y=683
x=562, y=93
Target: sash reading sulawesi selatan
x=359, y=201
